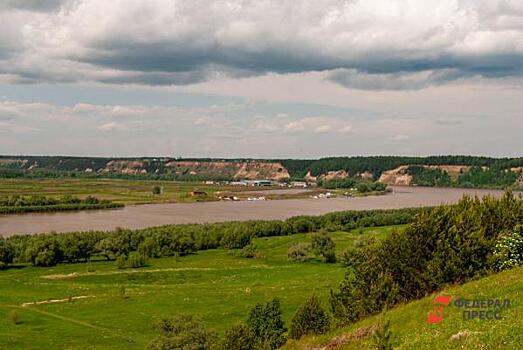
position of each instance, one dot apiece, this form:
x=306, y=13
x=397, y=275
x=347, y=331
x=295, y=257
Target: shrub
x=310, y=318
x=121, y=262
x=135, y=260
x=509, y=249
x=13, y=317
x=299, y=252
x=249, y=251
x=236, y=238
x=382, y=335
x=182, y=332
x=6, y=253
x=156, y=189
x=122, y=292
x=322, y=245
x=238, y=338
x=266, y=326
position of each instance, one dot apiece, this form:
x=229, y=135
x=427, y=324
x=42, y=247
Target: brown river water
x=140, y=216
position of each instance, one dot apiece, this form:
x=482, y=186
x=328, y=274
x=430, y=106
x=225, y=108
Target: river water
x=140, y=216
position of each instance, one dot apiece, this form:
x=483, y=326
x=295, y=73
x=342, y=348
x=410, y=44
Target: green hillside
x=410, y=329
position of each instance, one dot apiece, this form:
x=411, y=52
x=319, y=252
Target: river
x=140, y=216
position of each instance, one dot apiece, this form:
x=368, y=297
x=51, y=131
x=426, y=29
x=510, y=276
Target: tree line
x=170, y=240
x=476, y=177
x=24, y=204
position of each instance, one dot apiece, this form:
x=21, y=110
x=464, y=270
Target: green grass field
x=215, y=284
x=411, y=331
x=120, y=191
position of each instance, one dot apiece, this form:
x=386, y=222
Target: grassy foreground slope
x=215, y=284
x=411, y=331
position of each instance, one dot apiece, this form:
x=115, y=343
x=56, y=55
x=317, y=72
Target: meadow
x=117, y=190
x=95, y=305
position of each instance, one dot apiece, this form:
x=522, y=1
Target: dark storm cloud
x=165, y=42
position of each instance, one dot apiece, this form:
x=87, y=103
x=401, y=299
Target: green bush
x=13, y=317
x=509, y=249
x=6, y=253
x=382, y=335
x=135, y=260
x=182, y=332
x=310, y=318
x=322, y=245
x=238, y=338
x=299, y=252
x=266, y=326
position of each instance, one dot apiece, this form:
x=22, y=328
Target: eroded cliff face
x=251, y=170
x=333, y=175
x=398, y=177
x=124, y=167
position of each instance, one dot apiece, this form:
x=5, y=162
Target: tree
x=310, y=318
x=266, y=326
x=323, y=245
x=182, y=332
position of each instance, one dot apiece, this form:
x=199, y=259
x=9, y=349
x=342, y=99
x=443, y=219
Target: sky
x=261, y=78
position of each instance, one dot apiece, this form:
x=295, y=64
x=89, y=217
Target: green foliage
x=266, y=326
x=21, y=204
x=322, y=245
x=156, y=190
x=6, y=253
x=299, y=252
x=508, y=252
x=122, y=292
x=133, y=260
x=238, y=338
x=449, y=244
x=429, y=177
x=382, y=335
x=180, y=240
x=310, y=318
x=13, y=317
x=44, y=251
x=249, y=251
x=492, y=177
x=182, y=332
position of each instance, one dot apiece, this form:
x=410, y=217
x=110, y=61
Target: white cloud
x=112, y=126
x=368, y=44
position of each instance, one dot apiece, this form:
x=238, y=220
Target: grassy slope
x=215, y=284
x=411, y=331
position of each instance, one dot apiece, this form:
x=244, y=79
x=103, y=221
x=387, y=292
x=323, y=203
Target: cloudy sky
x=261, y=78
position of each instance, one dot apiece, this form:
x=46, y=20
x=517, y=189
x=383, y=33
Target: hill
x=461, y=171
x=410, y=329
